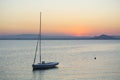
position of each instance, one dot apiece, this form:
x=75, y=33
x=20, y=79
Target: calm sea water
x=76, y=58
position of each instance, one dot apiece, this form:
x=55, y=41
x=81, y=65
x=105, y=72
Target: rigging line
x=38, y=42
x=36, y=51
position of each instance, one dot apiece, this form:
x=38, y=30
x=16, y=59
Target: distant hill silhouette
x=59, y=37
x=19, y=37
x=104, y=37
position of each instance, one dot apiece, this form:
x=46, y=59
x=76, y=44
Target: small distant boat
x=42, y=64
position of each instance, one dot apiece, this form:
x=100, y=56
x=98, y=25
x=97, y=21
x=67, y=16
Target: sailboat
x=42, y=64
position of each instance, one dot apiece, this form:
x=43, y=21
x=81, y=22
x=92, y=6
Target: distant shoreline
x=35, y=37
x=60, y=39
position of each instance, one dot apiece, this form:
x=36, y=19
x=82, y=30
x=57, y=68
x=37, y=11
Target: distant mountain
x=18, y=37
x=106, y=37
x=57, y=37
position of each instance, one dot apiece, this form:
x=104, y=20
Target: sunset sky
x=62, y=17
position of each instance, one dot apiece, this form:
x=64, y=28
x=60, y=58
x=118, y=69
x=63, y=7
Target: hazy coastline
x=47, y=37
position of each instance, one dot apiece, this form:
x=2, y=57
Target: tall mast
x=40, y=38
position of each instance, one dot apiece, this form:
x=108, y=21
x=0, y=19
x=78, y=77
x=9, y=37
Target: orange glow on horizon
x=78, y=18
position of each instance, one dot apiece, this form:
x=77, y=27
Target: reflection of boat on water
x=38, y=74
x=42, y=64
